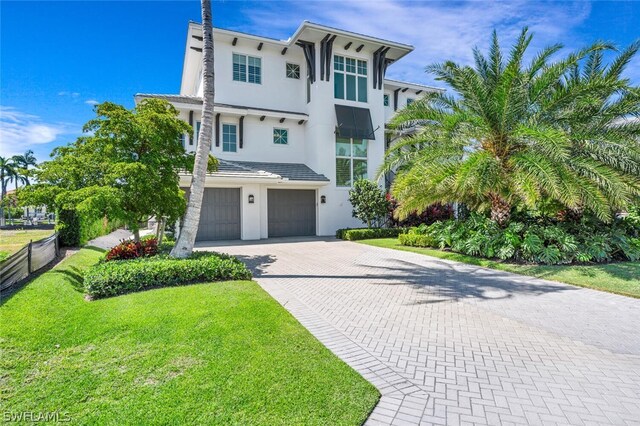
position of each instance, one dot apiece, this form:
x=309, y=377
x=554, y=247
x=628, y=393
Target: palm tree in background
x=191, y=220
x=6, y=170
x=518, y=134
x=21, y=173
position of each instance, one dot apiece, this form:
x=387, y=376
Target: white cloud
x=69, y=94
x=20, y=131
x=438, y=30
x=91, y=102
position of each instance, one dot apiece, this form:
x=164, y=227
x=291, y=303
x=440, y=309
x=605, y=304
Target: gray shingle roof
x=290, y=171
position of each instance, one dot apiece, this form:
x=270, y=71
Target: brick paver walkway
x=447, y=343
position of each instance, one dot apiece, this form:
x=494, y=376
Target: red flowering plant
x=128, y=249
x=433, y=213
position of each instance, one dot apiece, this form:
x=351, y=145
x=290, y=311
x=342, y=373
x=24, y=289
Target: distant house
x=296, y=123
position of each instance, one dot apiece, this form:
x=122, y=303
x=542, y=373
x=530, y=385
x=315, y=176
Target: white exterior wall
x=311, y=143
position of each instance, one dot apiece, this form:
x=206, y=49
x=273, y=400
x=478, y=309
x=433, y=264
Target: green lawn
x=622, y=278
x=12, y=241
x=216, y=353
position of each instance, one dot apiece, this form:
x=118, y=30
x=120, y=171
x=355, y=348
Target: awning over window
x=354, y=122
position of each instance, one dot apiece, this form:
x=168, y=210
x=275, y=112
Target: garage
x=291, y=212
x=220, y=215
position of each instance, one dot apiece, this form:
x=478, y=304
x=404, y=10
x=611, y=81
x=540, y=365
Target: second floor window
x=386, y=100
x=293, y=71
x=410, y=101
x=247, y=69
x=196, y=134
x=350, y=79
x=229, y=139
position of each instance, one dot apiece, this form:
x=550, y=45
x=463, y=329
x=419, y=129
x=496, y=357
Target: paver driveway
x=456, y=344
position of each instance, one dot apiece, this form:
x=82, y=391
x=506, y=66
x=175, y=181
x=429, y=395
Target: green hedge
x=126, y=276
x=75, y=230
x=368, y=233
x=417, y=240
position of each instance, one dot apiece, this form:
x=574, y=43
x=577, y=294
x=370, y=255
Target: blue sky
x=59, y=58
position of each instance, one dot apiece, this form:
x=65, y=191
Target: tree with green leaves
x=189, y=229
x=518, y=134
x=369, y=203
x=125, y=169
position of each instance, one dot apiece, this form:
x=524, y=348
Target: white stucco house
x=296, y=123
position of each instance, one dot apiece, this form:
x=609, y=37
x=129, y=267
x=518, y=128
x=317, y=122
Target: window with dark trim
x=293, y=71
x=386, y=100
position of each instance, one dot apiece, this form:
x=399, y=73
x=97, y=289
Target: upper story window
x=229, y=138
x=247, y=68
x=410, y=101
x=350, y=79
x=280, y=136
x=386, y=100
x=293, y=71
x=351, y=161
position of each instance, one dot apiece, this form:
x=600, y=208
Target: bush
x=433, y=213
x=75, y=229
x=125, y=276
x=416, y=240
x=533, y=240
x=368, y=233
x=369, y=203
x=128, y=249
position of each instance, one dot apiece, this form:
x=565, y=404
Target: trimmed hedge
x=368, y=233
x=75, y=229
x=126, y=276
x=416, y=240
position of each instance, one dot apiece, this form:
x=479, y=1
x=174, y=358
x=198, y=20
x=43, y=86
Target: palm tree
x=189, y=228
x=6, y=169
x=515, y=134
x=21, y=169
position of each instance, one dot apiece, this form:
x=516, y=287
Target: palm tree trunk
x=187, y=238
x=500, y=210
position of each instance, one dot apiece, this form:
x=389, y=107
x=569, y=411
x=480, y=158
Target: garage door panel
x=220, y=215
x=291, y=212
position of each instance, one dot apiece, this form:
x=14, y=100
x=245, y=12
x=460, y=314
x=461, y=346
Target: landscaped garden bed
x=211, y=353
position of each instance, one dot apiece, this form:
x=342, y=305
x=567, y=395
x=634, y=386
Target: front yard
x=216, y=353
x=621, y=277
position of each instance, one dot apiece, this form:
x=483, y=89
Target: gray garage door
x=220, y=215
x=291, y=212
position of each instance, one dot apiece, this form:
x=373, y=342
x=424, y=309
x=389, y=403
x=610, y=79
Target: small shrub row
x=532, y=240
x=125, y=276
x=128, y=249
x=75, y=229
x=368, y=233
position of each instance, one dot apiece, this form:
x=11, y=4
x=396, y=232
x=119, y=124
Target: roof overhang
x=230, y=178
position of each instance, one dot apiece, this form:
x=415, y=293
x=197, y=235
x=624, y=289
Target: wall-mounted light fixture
x=252, y=199
x=323, y=199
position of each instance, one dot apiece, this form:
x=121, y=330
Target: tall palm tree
x=515, y=134
x=21, y=169
x=6, y=169
x=191, y=220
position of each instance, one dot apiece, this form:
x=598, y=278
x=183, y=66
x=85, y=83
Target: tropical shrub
x=512, y=134
x=368, y=233
x=369, y=203
x=128, y=249
x=536, y=240
x=433, y=213
x=125, y=276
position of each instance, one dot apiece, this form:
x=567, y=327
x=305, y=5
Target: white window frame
x=356, y=74
x=246, y=67
x=236, y=137
x=351, y=157
x=274, y=136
